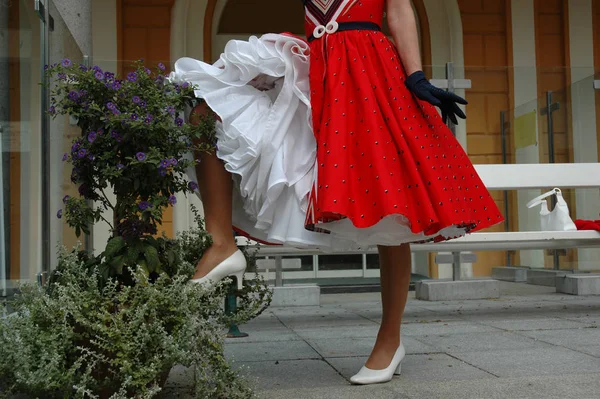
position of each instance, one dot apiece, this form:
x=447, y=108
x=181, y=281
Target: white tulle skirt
x=260, y=90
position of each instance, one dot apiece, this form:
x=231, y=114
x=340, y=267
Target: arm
x=403, y=26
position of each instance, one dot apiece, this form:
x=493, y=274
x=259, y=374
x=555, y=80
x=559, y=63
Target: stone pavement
x=530, y=343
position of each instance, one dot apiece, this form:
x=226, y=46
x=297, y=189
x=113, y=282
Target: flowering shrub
x=83, y=337
x=133, y=142
x=113, y=325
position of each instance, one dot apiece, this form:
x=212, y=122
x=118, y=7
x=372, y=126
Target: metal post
x=503, y=127
x=278, y=271
x=89, y=238
x=456, y=266
x=548, y=111
x=230, y=308
x=4, y=132
x=44, y=14
x=450, y=78
x=3, y=246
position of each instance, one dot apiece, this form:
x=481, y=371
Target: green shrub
x=83, y=336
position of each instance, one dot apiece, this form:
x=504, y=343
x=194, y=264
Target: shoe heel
x=398, y=369
x=239, y=278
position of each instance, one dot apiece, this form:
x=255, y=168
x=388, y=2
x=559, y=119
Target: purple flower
x=109, y=75
x=73, y=96
x=136, y=99
x=149, y=119
x=66, y=198
x=120, y=166
x=99, y=75
x=91, y=157
x=83, y=67
x=164, y=163
x=132, y=77
x=110, y=106
x=161, y=66
x=172, y=200
x=66, y=62
x=59, y=213
x=185, y=85
x=162, y=172
x=179, y=121
x=52, y=110
x=75, y=147
x=148, y=71
x=173, y=162
x=92, y=137
x=65, y=156
x=97, y=69
x=116, y=85
x=100, y=132
x=62, y=76
x=171, y=109
x=116, y=111
x=81, y=153
x=134, y=116
x=144, y=205
x=143, y=104
x=193, y=186
x=140, y=156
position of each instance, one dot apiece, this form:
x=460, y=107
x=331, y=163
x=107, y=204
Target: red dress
x=381, y=152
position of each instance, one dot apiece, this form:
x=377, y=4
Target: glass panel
x=20, y=117
x=372, y=261
x=340, y=262
x=62, y=132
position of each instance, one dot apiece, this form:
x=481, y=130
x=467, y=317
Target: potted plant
x=113, y=325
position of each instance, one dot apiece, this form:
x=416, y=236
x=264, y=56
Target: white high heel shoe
x=367, y=376
x=235, y=265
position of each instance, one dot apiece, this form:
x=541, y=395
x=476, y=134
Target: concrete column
x=525, y=89
x=583, y=111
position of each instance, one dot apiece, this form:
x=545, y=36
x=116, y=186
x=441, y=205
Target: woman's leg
x=215, y=186
x=395, y=278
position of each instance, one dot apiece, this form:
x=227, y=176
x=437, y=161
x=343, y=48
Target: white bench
x=496, y=177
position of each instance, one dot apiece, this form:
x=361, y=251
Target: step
x=545, y=277
x=447, y=290
x=509, y=273
x=579, y=284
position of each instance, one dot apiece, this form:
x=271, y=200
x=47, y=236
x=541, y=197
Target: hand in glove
x=418, y=84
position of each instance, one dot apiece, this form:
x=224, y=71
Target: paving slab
x=478, y=342
x=264, y=351
x=291, y=375
x=265, y=335
x=429, y=367
x=531, y=362
x=380, y=391
x=539, y=387
x=567, y=338
x=338, y=332
x=442, y=328
x=353, y=347
x=536, y=324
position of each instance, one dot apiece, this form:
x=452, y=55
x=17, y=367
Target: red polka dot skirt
x=386, y=162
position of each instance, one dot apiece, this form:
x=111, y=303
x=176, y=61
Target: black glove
x=418, y=84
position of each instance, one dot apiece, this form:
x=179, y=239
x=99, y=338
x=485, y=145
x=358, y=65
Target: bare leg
x=216, y=191
x=395, y=278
